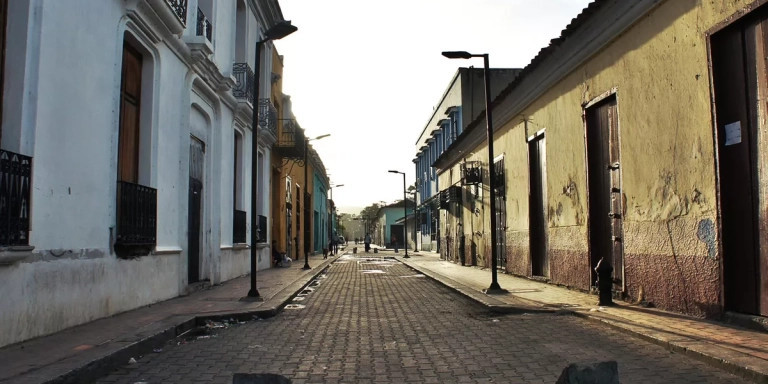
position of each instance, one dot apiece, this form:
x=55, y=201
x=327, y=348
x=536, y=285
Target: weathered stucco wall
x=658, y=71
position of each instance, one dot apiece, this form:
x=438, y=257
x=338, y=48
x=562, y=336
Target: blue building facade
x=319, y=213
x=462, y=102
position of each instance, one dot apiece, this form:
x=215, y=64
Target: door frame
x=603, y=97
x=501, y=210
x=741, y=20
x=534, y=140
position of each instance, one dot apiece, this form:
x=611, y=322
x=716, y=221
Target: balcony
x=15, y=171
x=471, y=173
x=204, y=26
x=238, y=227
x=243, y=90
x=172, y=13
x=267, y=116
x=262, y=230
x=179, y=8
x=290, y=141
x=136, y=219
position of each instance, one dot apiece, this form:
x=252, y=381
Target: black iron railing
x=179, y=8
x=136, y=215
x=267, y=115
x=15, y=172
x=262, y=228
x=204, y=26
x=290, y=141
x=244, y=87
x=238, y=227
x=471, y=173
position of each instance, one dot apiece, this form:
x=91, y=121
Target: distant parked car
x=342, y=240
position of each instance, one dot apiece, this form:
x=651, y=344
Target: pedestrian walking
x=393, y=241
x=367, y=243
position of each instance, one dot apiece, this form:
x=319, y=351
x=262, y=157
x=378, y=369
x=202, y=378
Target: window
x=130, y=116
x=237, y=179
x=3, y=20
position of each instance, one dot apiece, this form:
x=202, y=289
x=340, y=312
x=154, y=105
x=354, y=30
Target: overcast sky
x=370, y=73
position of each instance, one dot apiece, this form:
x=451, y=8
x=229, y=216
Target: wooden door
x=3, y=24
x=196, y=161
x=537, y=209
x=605, y=195
x=130, y=101
x=738, y=55
x=501, y=214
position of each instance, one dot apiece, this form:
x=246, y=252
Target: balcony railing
x=136, y=215
x=244, y=87
x=238, y=227
x=15, y=171
x=262, y=230
x=204, y=26
x=290, y=141
x=268, y=116
x=179, y=8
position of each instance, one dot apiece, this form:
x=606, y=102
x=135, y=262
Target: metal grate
x=267, y=116
x=179, y=8
x=136, y=214
x=15, y=171
x=238, y=227
x=204, y=26
x=262, y=230
x=244, y=77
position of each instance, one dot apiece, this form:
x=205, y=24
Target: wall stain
x=706, y=233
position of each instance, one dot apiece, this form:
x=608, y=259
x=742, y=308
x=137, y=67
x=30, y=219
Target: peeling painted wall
x=658, y=70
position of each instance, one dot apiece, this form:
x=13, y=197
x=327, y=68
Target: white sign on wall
x=733, y=133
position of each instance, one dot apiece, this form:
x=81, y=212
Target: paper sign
x=733, y=133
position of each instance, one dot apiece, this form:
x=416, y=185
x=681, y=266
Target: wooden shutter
x=130, y=100
x=3, y=23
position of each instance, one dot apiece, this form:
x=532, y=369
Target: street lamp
x=494, y=288
x=405, y=217
x=306, y=202
x=276, y=32
x=418, y=226
x=334, y=228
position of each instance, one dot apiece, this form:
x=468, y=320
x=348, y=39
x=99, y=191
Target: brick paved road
x=379, y=322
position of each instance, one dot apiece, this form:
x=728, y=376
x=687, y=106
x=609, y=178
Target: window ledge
x=12, y=254
x=200, y=46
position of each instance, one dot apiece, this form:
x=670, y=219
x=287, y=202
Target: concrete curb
x=493, y=304
x=733, y=362
x=178, y=325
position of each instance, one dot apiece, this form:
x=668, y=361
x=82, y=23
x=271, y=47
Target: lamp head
x=319, y=137
x=391, y=171
x=457, y=54
x=280, y=30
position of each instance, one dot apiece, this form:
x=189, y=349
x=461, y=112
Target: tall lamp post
x=418, y=222
x=276, y=32
x=334, y=228
x=494, y=288
x=306, y=203
x=405, y=217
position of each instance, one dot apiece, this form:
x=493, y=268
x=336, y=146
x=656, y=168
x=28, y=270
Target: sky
x=370, y=73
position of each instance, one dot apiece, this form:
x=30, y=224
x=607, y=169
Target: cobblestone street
x=377, y=321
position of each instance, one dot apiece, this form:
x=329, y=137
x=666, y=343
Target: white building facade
x=132, y=120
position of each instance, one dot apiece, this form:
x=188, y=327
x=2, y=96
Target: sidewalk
x=737, y=350
x=87, y=351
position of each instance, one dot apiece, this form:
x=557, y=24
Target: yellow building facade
x=624, y=140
